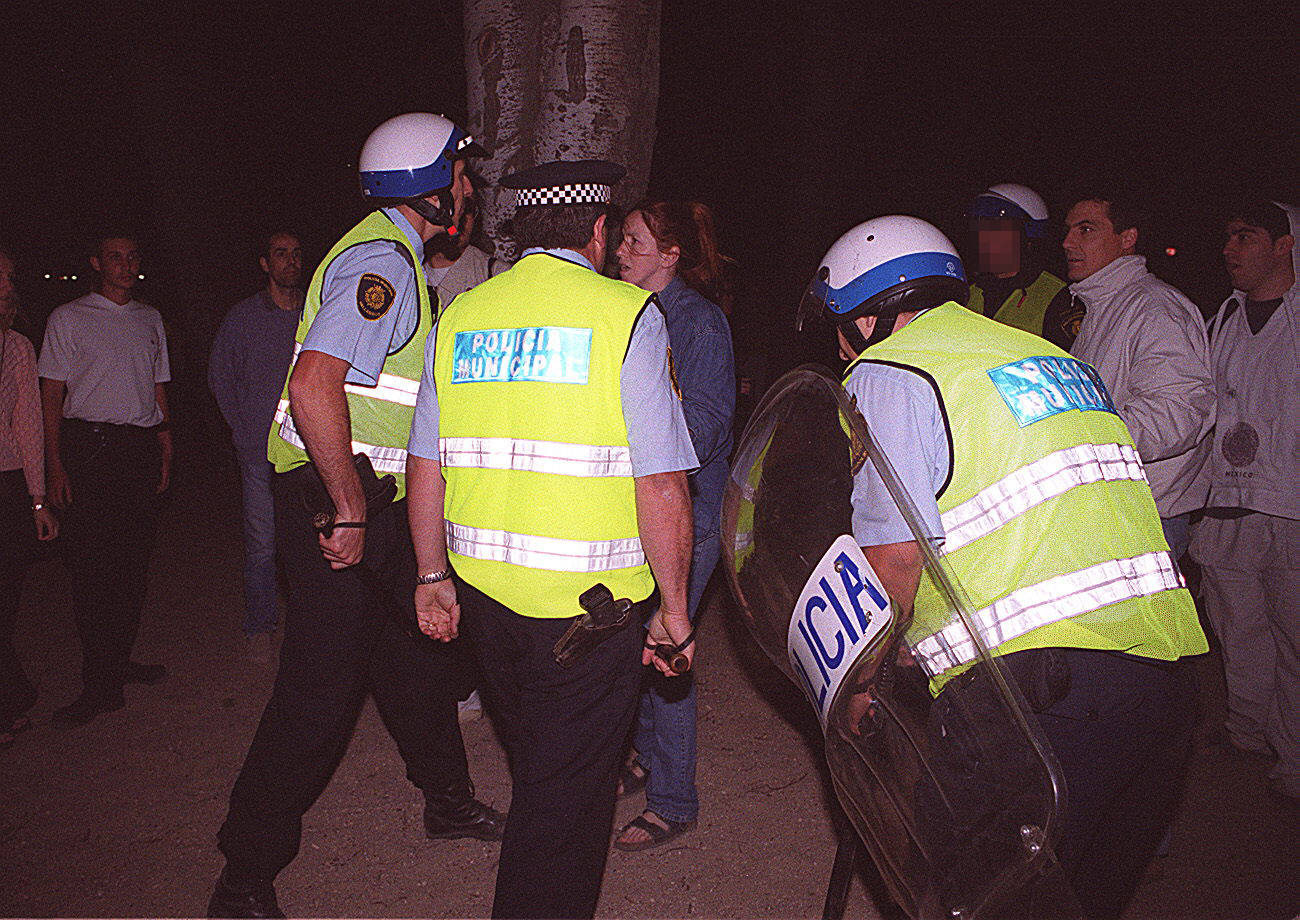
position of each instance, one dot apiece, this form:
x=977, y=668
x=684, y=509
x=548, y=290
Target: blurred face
x=1251, y=257
x=283, y=261
x=640, y=261
x=8, y=292
x=1091, y=242
x=118, y=264
x=999, y=246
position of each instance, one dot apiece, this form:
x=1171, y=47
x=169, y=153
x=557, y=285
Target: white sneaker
x=470, y=709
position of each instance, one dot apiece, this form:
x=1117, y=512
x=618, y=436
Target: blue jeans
x=665, y=730
x=259, y=546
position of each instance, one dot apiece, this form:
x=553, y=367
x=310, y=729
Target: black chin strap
x=435, y=215
x=885, y=322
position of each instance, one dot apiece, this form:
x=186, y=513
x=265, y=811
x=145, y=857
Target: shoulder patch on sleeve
x=375, y=296
x=672, y=374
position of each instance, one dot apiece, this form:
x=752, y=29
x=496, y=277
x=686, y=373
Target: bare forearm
x=320, y=413
x=898, y=566
x=663, y=514
x=425, y=492
x=52, y=392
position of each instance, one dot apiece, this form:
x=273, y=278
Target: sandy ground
x=119, y=818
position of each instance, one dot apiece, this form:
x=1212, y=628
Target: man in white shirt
x=108, y=452
x=1248, y=543
x=1148, y=343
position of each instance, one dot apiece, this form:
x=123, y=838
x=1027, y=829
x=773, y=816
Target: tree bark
x=560, y=79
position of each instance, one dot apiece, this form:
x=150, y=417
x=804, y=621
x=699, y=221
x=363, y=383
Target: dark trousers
x=107, y=534
x=338, y=644
x=565, y=732
x=17, y=548
x=1123, y=735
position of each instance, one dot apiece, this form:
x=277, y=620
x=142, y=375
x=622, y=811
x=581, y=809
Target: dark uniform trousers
x=339, y=643
x=108, y=534
x=565, y=731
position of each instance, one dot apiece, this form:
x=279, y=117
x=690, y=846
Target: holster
x=605, y=616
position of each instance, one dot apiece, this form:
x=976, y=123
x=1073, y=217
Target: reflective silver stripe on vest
x=390, y=388
x=1051, y=601
x=383, y=459
x=552, y=553
x=535, y=456
x=1035, y=483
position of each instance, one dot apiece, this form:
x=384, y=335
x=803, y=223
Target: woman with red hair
x=669, y=247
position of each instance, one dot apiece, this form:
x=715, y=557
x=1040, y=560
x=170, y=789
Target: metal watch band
x=433, y=577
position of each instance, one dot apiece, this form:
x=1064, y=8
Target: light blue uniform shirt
x=903, y=415
x=340, y=330
x=657, y=436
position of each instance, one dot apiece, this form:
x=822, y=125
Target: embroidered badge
x=672, y=374
x=375, y=295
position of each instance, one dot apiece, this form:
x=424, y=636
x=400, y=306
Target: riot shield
x=952, y=789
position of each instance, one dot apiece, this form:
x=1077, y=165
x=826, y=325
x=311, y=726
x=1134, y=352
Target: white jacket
x=1255, y=462
x=1148, y=343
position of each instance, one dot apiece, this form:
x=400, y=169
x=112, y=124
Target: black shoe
x=148, y=674
x=254, y=899
x=454, y=814
x=85, y=708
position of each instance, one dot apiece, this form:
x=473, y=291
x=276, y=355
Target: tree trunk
x=560, y=79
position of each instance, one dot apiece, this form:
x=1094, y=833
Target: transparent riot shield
x=951, y=787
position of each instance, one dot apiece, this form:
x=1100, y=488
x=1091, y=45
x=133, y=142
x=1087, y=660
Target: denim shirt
x=700, y=339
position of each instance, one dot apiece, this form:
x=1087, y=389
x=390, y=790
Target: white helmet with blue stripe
x=884, y=267
x=410, y=156
x=1010, y=201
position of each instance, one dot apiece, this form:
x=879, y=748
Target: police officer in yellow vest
x=549, y=454
x=1009, y=224
x=351, y=389
x=1028, y=482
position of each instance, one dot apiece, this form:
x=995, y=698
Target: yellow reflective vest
x=1024, y=308
x=540, y=502
x=1048, y=519
x=381, y=414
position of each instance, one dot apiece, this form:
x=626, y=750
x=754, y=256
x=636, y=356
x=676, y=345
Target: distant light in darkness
x=1169, y=251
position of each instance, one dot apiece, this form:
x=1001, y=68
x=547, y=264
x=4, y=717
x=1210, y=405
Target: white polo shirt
x=110, y=356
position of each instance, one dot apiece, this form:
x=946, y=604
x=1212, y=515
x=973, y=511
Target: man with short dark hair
x=1148, y=343
x=108, y=454
x=246, y=370
x=1248, y=543
x=548, y=455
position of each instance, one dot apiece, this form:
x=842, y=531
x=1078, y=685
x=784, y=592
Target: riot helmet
x=884, y=267
x=410, y=157
x=1009, y=201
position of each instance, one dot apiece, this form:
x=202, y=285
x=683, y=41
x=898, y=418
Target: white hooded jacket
x=1148, y=343
x=1255, y=461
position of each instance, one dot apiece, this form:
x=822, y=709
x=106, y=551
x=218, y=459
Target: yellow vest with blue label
x=1048, y=519
x=540, y=502
x=1023, y=308
x=381, y=414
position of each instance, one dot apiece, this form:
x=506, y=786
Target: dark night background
x=202, y=126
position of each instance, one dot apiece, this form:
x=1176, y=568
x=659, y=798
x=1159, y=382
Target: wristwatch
x=433, y=577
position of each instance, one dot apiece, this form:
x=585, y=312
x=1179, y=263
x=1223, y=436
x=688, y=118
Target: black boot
x=454, y=813
x=236, y=898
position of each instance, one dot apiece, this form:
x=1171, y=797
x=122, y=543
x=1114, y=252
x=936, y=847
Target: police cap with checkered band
x=565, y=182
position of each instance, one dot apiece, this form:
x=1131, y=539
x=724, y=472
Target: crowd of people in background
x=86, y=452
